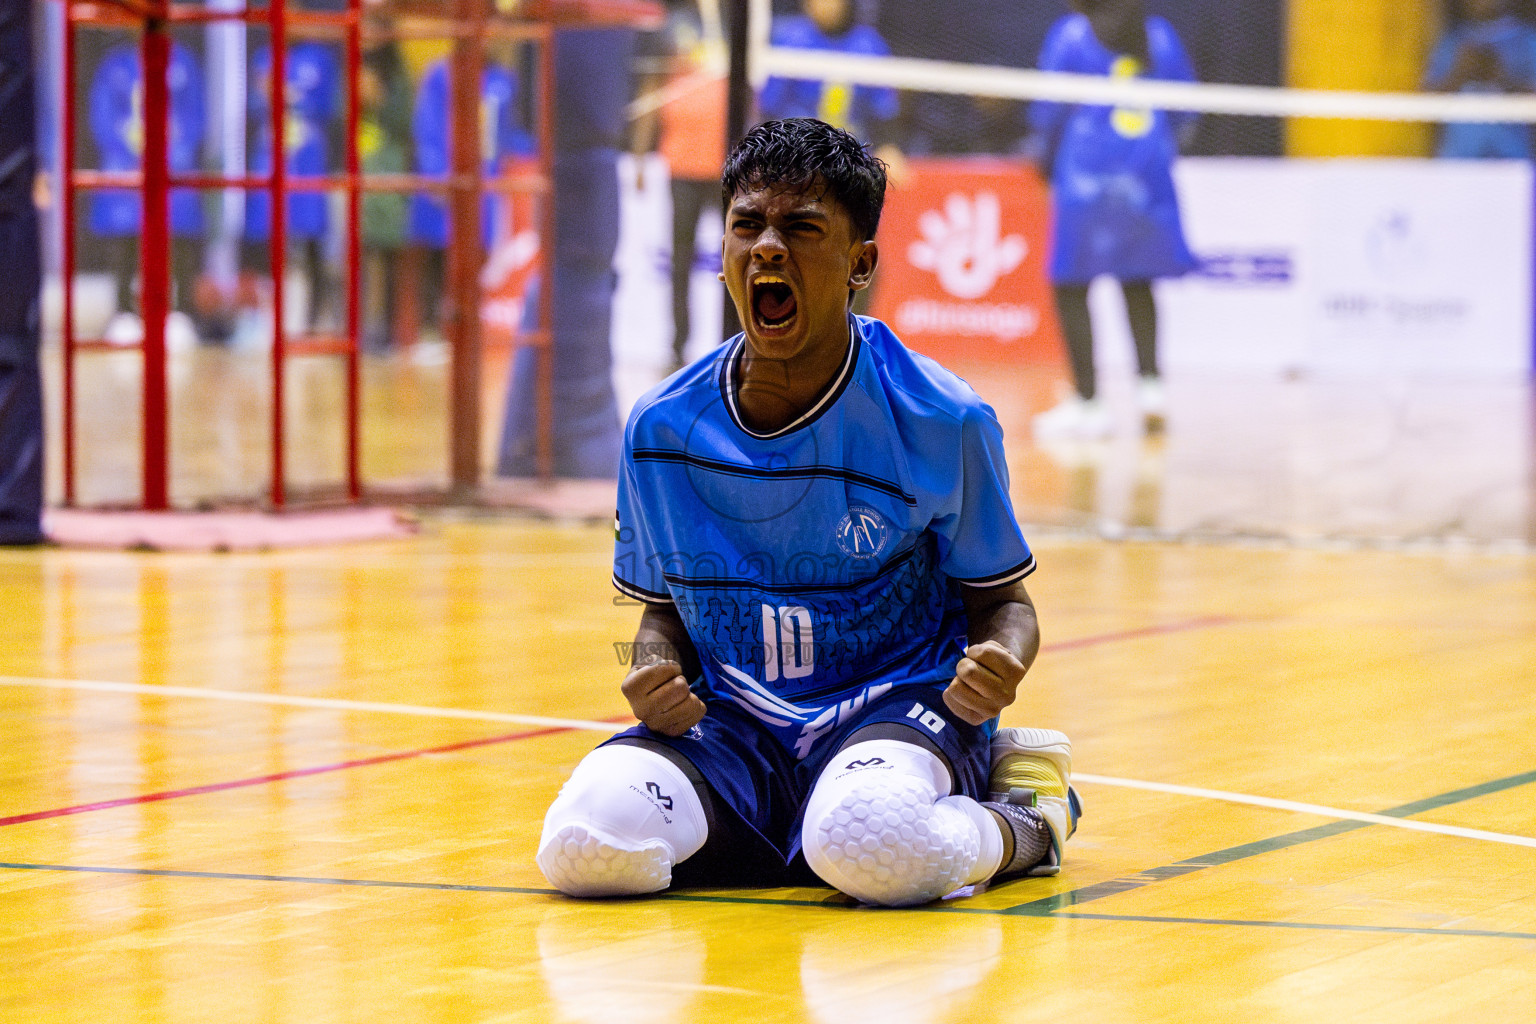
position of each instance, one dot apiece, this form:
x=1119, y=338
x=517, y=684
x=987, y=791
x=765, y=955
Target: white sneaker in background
x=1153, y=403
x=253, y=331
x=180, y=334
x=1076, y=417
x=124, y=329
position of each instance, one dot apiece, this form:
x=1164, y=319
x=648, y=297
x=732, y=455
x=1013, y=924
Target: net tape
x=920, y=75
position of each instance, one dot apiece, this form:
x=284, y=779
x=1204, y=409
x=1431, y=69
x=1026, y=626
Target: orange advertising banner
x=963, y=251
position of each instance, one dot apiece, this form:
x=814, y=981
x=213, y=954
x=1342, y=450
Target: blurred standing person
x=868, y=113
x=313, y=101
x=1116, y=211
x=502, y=138
x=383, y=144
x=688, y=84
x=116, y=215
x=1490, y=51
x=863, y=111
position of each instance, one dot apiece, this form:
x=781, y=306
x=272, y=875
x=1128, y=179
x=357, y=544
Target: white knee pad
x=880, y=826
x=622, y=820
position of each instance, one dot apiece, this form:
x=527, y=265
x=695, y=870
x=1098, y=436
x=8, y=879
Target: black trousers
x=1077, y=330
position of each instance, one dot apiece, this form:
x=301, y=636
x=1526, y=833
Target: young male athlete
x=818, y=523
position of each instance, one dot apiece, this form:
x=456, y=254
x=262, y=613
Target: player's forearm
x=1005, y=616
x=661, y=636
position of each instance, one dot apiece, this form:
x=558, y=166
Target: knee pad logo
x=659, y=798
x=869, y=763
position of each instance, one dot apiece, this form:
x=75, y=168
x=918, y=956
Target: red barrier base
x=221, y=531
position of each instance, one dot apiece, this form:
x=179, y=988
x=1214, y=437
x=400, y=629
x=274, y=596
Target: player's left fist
x=986, y=681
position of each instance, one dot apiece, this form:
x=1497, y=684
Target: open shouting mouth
x=773, y=303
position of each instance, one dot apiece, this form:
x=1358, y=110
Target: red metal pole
x=154, y=260
x=465, y=254
x=354, y=243
x=277, y=11
x=67, y=197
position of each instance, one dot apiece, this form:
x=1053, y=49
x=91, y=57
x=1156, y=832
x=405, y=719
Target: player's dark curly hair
x=796, y=153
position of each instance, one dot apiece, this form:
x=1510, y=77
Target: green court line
x=1057, y=906
x=837, y=902
x=1308, y=926
x=241, y=877
x=1087, y=894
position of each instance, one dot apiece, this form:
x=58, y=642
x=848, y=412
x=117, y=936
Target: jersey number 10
x=789, y=647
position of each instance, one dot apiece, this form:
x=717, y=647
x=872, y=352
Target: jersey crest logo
x=862, y=533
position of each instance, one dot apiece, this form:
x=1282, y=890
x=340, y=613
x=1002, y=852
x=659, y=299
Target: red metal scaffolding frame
x=467, y=26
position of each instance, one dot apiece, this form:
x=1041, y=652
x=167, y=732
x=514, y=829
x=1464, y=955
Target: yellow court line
x=334, y=704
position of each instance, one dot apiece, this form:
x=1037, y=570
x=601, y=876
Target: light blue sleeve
x=980, y=543
x=636, y=563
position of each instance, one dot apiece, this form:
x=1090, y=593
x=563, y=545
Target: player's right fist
x=659, y=696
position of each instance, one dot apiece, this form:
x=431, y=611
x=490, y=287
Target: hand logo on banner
x=965, y=246
x=967, y=281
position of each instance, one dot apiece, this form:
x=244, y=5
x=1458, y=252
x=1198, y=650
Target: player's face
x=789, y=259
x=829, y=15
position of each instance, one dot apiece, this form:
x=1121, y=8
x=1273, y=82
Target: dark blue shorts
x=759, y=790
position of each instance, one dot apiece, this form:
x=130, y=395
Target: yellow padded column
x=1374, y=45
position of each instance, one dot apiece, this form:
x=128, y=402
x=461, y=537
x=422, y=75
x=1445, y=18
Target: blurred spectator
x=685, y=82
x=970, y=32
x=864, y=111
x=1489, y=51
x=1116, y=211
x=383, y=145
x=501, y=138
x=313, y=101
x=116, y=215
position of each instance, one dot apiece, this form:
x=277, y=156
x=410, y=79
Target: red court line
x=219, y=787
x=298, y=773
x=1134, y=634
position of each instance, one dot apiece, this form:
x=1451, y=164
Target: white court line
x=333, y=704
x=326, y=703
x=1300, y=808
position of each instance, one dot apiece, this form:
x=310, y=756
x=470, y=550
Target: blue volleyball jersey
x=818, y=566
x=501, y=136
x=312, y=94
x=117, y=127
x=1515, y=43
x=855, y=109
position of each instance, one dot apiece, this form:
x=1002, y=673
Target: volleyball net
x=1326, y=233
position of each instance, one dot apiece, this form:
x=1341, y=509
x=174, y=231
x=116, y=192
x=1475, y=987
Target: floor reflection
x=1399, y=459
x=649, y=963
x=864, y=966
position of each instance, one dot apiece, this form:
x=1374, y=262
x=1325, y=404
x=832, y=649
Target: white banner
x=1380, y=266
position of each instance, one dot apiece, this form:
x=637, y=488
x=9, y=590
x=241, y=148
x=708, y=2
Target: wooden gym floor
x=1294, y=642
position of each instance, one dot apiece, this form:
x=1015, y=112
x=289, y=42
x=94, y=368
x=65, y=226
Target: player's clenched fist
x=659, y=696
x=986, y=681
